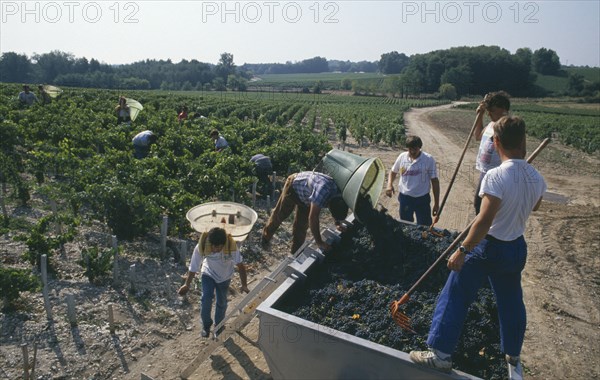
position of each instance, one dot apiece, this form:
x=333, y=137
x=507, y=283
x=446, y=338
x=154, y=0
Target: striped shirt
x=313, y=187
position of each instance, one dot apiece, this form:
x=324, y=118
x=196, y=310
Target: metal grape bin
x=295, y=348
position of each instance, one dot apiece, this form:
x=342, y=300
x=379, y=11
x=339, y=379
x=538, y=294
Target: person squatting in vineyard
x=220, y=142
x=142, y=143
x=263, y=168
x=26, y=97
x=307, y=193
x=497, y=104
x=218, y=253
x=418, y=175
x=494, y=250
x=122, y=111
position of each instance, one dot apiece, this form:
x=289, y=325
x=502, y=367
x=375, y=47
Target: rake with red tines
x=402, y=319
x=399, y=317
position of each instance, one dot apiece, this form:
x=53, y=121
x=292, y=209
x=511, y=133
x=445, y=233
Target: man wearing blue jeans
x=418, y=175
x=218, y=253
x=494, y=249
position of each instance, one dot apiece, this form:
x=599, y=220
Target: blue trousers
x=501, y=263
x=209, y=288
x=420, y=206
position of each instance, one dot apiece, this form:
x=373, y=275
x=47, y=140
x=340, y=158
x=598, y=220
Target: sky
x=117, y=32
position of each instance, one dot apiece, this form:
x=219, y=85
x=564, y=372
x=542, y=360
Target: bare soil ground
x=157, y=332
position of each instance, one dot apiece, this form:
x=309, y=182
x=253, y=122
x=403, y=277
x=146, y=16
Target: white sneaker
x=431, y=360
x=515, y=369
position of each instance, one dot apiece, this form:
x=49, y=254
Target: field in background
x=555, y=84
x=569, y=122
x=329, y=80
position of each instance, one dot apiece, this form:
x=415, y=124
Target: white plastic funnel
x=134, y=108
x=52, y=91
x=235, y=218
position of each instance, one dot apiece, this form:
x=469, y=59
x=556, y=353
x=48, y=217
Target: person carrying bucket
x=418, y=175
x=44, y=95
x=122, y=111
x=307, y=193
x=214, y=256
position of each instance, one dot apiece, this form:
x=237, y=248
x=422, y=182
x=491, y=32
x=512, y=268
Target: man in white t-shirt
x=494, y=250
x=497, y=104
x=27, y=97
x=217, y=252
x=418, y=175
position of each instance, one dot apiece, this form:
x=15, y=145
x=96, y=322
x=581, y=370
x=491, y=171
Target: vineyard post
x=253, y=193
x=25, y=361
x=111, y=318
x=4, y=211
x=163, y=235
x=268, y=204
x=273, y=183
x=71, y=315
x=115, y=248
x=132, y=277
x=183, y=252
x=45, y=286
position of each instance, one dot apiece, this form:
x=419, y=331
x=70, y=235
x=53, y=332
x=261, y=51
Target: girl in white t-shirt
x=218, y=253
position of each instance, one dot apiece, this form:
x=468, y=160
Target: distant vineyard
x=570, y=124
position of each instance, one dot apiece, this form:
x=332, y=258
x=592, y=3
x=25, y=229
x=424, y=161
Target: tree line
x=452, y=72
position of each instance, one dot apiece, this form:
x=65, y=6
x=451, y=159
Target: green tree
x=393, y=62
x=525, y=55
x=219, y=84
x=15, y=68
x=318, y=87
x=225, y=67
x=52, y=64
x=346, y=84
x=459, y=77
x=546, y=61
x=575, y=84
x=447, y=91
x=392, y=85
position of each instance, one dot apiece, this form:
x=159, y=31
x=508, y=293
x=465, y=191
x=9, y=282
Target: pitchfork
x=398, y=316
